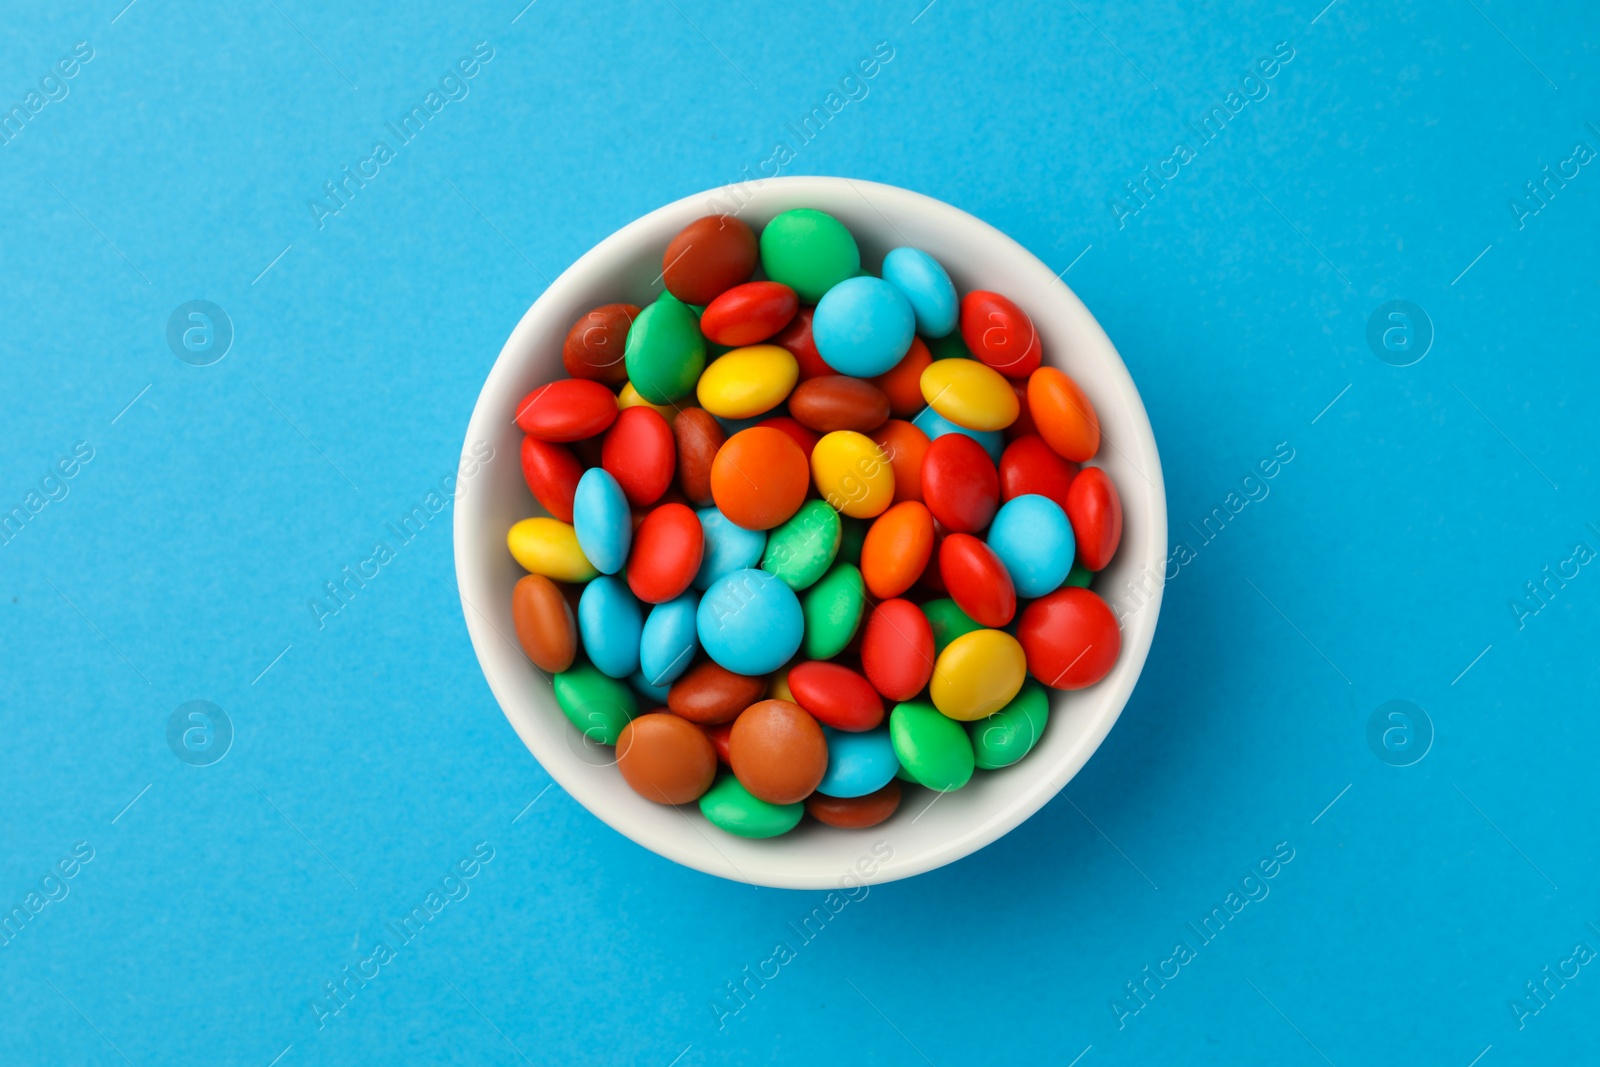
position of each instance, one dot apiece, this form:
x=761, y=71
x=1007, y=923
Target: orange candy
x=902, y=383
x=1063, y=415
x=760, y=478
x=905, y=445
x=897, y=549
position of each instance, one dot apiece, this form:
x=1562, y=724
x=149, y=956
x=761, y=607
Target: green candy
x=809, y=251
x=854, y=536
x=802, y=549
x=1010, y=733
x=1079, y=576
x=665, y=351
x=948, y=621
x=597, y=704
x=833, y=609
x=905, y=776
x=730, y=806
x=933, y=748
x=950, y=346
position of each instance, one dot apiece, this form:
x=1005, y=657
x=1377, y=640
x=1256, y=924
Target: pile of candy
x=877, y=501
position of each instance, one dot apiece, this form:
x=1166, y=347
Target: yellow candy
x=778, y=688
x=978, y=674
x=747, y=381
x=549, y=547
x=852, y=474
x=969, y=394
x=630, y=398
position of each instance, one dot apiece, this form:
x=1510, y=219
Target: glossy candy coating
x=629, y=398
x=1095, y=511
x=552, y=474
x=1065, y=418
x=709, y=694
x=778, y=751
x=732, y=808
x=838, y=696
x=708, y=257
x=749, y=314
x=601, y=520
x=978, y=674
x=977, y=580
x=897, y=649
x=809, y=251
x=905, y=446
x=598, y=705
x=863, y=327
x=832, y=609
x=1071, y=638
x=854, y=813
x=926, y=286
x=802, y=549
x=1010, y=733
x=853, y=474
x=669, y=640
x=970, y=394
x=654, y=695
x=747, y=382
x=666, y=759
x=935, y=426
x=1028, y=465
x=1000, y=333
x=1080, y=576
x=897, y=549
x=698, y=436
x=545, y=627
x=665, y=352
x=610, y=621
x=640, y=453
x=593, y=348
x=902, y=383
x=858, y=763
x=667, y=549
x=838, y=402
x=934, y=750
x=718, y=736
x=567, y=410
x=1031, y=536
x=750, y=622
x=549, y=547
x=948, y=622
x=797, y=338
x=760, y=478
x=728, y=547
x=959, y=484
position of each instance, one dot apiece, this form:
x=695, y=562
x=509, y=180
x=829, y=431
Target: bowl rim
x=1136, y=639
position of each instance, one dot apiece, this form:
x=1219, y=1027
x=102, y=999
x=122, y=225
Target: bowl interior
x=929, y=829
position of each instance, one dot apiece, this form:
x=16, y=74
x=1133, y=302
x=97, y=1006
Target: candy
x=1000, y=334
x=669, y=640
x=567, y=410
x=959, y=484
x=709, y=694
x=809, y=251
x=977, y=674
x=837, y=402
x=969, y=394
x=976, y=579
x=948, y=622
x=760, y=478
x=639, y=452
x=905, y=446
x=1028, y=465
x=902, y=383
x=708, y=257
x=544, y=624
x=718, y=736
x=863, y=327
x=597, y=705
x=748, y=314
x=667, y=548
x=933, y=749
x=926, y=287
x=852, y=474
x=854, y=813
x=1031, y=536
x=698, y=436
x=552, y=473
x=630, y=398
x=832, y=610
x=665, y=352
x=750, y=622
x=806, y=439
x=732, y=808
x=1095, y=511
x=1080, y=576
x=747, y=381
x=859, y=763
x=797, y=338
x=897, y=649
x=1071, y=638
x=728, y=547
x=666, y=759
x=654, y=695
x=853, y=534
x=593, y=348
x=935, y=426
x=838, y=696
x=549, y=547
x=1010, y=733
x=1065, y=418
x=778, y=752
x=610, y=620
x=897, y=549
x=803, y=548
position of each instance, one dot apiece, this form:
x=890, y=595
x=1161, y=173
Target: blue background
x=368, y=755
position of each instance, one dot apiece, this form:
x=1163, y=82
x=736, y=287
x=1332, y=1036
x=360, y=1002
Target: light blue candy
x=750, y=622
x=863, y=326
x=601, y=519
x=936, y=425
x=728, y=547
x=655, y=694
x=669, y=641
x=1033, y=538
x=926, y=286
x=610, y=620
x=858, y=764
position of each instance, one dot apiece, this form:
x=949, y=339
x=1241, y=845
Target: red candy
x=806, y=439
x=718, y=736
x=977, y=580
x=552, y=474
x=748, y=314
x=897, y=649
x=904, y=444
x=836, y=695
x=641, y=454
x=666, y=553
x=902, y=383
x=796, y=337
x=959, y=483
x=999, y=333
x=1095, y=511
x=593, y=348
x=568, y=410
x=708, y=257
x=1070, y=637
x=1028, y=465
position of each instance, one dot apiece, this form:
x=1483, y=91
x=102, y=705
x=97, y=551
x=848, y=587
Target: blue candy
x=602, y=521
x=1033, y=538
x=926, y=286
x=936, y=425
x=610, y=620
x=728, y=547
x=858, y=764
x=655, y=694
x=863, y=326
x=750, y=622
x=669, y=641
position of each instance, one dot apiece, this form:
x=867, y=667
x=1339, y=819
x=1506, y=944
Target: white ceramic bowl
x=930, y=829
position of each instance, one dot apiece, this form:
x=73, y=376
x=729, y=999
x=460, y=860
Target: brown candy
x=593, y=348
x=839, y=402
x=778, y=751
x=666, y=759
x=698, y=436
x=543, y=620
x=855, y=813
x=708, y=694
x=708, y=257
